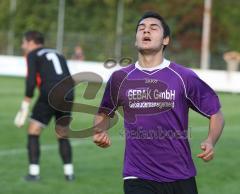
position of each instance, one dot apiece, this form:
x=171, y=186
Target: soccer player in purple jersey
x=156, y=95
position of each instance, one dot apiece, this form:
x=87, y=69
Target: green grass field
x=98, y=171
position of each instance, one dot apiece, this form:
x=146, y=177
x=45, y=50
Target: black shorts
x=42, y=112
x=141, y=186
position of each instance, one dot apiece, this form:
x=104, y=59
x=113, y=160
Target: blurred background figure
x=232, y=58
x=78, y=53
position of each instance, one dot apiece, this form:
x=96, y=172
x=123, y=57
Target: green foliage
x=92, y=23
x=226, y=16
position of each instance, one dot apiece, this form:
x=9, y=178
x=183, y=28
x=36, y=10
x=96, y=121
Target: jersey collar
x=164, y=64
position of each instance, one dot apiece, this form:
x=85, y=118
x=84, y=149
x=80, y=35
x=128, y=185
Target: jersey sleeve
x=31, y=75
x=201, y=96
x=110, y=100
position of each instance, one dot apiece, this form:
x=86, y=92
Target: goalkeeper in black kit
x=45, y=68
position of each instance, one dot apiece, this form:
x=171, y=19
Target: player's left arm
x=204, y=100
x=22, y=114
x=216, y=124
x=31, y=76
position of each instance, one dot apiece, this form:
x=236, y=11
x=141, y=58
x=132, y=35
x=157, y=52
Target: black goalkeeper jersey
x=46, y=67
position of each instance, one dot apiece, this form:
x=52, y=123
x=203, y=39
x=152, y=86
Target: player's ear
x=31, y=43
x=166, y=40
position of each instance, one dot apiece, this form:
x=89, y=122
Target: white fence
x=219, y=80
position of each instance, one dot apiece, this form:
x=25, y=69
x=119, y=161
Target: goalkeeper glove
x=22, y=114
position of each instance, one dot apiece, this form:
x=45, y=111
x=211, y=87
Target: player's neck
x=149, y=61
x=37, y=46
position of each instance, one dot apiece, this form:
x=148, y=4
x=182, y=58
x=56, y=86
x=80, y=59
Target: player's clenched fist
x=208, y=151
x=100, y=135
x=101, y=139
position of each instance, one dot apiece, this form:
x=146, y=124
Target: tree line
x=92, y=23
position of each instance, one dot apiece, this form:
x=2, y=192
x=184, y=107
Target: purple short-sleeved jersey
x=156, y=103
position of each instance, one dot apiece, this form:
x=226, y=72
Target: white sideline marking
x=49, y=147
x=75, y=143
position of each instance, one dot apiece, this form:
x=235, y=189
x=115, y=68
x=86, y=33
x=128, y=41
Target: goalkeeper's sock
x=34, y=169
x=68, y=169
x=65, y=151
x=33, y=154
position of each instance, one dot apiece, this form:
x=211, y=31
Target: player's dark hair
x=35, y=36
x=152, y=14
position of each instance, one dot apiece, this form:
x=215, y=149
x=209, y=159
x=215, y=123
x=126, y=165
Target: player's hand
x=208, y=151
x=22, y=114
x=101, y=139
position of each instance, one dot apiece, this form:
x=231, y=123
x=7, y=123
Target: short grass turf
x=98, y=171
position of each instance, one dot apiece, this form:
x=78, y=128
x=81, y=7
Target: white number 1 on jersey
x=56, y=63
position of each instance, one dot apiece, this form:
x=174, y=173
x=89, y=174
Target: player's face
x=149, y=36
x=27, y=46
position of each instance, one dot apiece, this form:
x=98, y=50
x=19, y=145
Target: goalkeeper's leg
x=65, y=151
x=63, y=120
x=33, y=148
x=40, y=117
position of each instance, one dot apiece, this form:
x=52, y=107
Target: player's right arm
x=106, y=110
x=100, y=132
